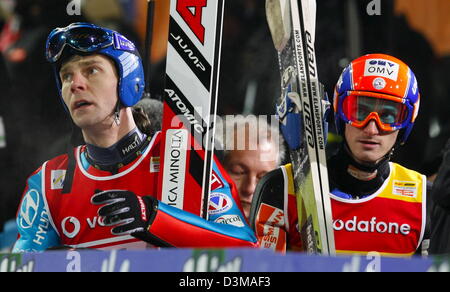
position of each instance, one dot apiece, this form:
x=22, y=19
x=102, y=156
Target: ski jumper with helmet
x=87, y=39
x=391, y=218
x=48, y=217
x=377, y=87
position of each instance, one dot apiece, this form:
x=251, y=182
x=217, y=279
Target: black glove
x=132, y=214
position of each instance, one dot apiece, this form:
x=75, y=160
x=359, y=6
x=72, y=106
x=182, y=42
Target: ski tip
x=278, y=14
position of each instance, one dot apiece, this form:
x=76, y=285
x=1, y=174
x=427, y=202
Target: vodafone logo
x=70, y=226
x=372, y=226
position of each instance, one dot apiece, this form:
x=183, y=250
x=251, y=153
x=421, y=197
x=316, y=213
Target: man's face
x=89, y=89
x=369, y=144
x=247, y=167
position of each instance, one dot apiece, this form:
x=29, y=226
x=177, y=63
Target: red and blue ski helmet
x=381, y=82
x=86, y=39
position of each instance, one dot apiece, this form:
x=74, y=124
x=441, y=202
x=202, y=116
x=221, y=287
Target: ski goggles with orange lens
x=390, y=115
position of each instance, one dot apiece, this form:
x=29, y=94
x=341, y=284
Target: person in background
x=251, y=148
x=7, y=142
x=153, y=108
x=440, y=194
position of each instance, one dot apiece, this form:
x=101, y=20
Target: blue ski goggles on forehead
x=82, y=37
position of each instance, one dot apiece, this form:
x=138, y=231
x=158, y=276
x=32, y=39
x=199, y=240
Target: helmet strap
x=367, y=167
x=117, y=113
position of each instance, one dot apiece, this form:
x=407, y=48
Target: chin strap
x=117, y=114
x=368, y=167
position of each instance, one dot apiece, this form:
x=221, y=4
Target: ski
x=189, y=103
x=292, y=25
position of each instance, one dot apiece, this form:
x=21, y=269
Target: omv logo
x=29, y=209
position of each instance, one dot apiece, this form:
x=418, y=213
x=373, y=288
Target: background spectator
x=153, y=108
x=7, y=143
x=251, y=148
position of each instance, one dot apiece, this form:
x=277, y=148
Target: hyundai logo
x=29, y=209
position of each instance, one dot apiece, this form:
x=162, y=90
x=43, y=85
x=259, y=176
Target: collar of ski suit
x=354, y=188
x=119, y=154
